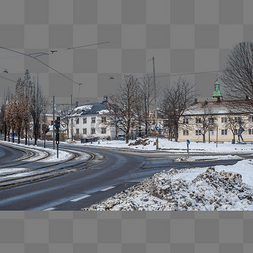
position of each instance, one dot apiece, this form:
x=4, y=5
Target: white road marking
x=49, y=209
x=108, y=188
x=83, y=197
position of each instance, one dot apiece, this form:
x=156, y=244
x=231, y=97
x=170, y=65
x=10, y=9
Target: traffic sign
x=188, y=142
x=157, y=128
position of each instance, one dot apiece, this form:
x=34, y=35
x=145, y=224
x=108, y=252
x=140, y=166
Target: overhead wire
x=46, y=53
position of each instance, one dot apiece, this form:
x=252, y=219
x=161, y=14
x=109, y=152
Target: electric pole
x=71, y=120
x=156, y=125
x=53, y=125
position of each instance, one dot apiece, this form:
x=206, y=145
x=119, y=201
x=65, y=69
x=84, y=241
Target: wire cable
x=46, y=53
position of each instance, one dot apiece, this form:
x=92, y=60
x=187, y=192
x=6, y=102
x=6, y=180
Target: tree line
x=22, y=110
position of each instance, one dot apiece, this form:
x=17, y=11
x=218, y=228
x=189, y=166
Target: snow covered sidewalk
x=221, y=188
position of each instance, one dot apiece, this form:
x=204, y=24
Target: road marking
x=49, y=209
x=108, y=188
x=83, y=197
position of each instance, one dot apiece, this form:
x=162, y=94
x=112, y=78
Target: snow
x=82, y=108
x=179, y=147
x=105, y=111
x=222, y=188
x=219, y=188
x=206, y=158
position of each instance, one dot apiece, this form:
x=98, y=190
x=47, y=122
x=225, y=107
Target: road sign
x=157, y=128
x=188, y=142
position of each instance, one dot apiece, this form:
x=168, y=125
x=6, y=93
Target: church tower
x=217, y=94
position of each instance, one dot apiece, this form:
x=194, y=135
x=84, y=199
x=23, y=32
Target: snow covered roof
x=212, y=107
x=91, y=108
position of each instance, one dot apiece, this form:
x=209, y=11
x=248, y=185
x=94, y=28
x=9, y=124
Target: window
x=77, y=131
x=237, y=119
x=103, y=130
x=250, y=131
x=185, y=132
x=93, y=130
x=84, y=120
x=224, y=132
x=251, y=118
x=236, y=131
x=185, y=121
x=211, y=132
x=84, y=130
x=198, y=132
x=103, y=119
x=93, y=120
x=77, y=121
x=211, y=120
x=223, y=119
x=198, y=120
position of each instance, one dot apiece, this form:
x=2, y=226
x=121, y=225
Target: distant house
x=91, y=120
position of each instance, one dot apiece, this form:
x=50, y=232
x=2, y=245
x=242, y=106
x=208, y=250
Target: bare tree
x=207, y=121
x=238, y=75
x=176, y=100
x=147, y=97
x=122, y=106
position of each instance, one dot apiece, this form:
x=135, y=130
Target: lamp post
x=217, y=137
x=156, y=125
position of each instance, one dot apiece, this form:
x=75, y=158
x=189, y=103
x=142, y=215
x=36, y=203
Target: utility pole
x=217, y=137
x=71, y=120
x=153, y=59
x=53, y=125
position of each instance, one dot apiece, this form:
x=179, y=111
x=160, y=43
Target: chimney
x=105, y=98
x=76, y=103
x=195, y=101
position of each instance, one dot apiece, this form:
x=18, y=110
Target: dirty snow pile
x=206, y=158
x=174, y=190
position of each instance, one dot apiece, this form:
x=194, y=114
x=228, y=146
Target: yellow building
x=216, y=120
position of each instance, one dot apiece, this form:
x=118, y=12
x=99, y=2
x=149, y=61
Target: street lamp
x=156, y=125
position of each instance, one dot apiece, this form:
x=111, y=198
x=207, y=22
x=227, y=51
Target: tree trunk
x=5, y=131
x=204, y=137
x=13, y=136
x=19, y=133
x=176, y=131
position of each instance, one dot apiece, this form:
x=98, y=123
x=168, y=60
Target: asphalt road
x=9, y=154
x=74, y=191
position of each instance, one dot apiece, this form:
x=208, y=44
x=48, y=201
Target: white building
x=90, y=120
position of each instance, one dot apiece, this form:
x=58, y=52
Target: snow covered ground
x=180, y=147
x=223, y=188
x=219, y=188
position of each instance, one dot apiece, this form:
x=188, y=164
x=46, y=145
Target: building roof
x=213, y=107
x=91, y=108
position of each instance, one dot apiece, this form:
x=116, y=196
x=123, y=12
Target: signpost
x=188, y=144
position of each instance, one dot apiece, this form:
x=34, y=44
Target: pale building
x=215, y=120
x=90, y=120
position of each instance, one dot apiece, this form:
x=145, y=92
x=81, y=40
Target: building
x=90, y=120
x=215, y=120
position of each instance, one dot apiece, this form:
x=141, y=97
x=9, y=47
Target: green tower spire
x=217, y=94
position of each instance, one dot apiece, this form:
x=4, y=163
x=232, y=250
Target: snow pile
x=207, y=158
x=143, y=142
x=168, y=191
